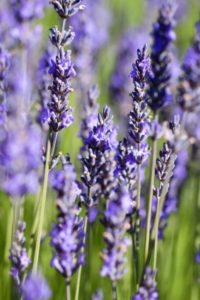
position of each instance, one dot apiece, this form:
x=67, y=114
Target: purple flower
x=98, y=295
x=121, y=83
x=62, y=70
x=177, y=180
x=87, y=43
x=67, y=8
x=35, y=287
x=126, y=168
x=189, y=86
x=67, y=235
x=44, y=80
x=138, y=118
x=27, y=10
x=20, y=158
x=147, y=289
x=163, y=35
x=98, y=159
x=90, y=112
x=18, y=254
x=117, y=243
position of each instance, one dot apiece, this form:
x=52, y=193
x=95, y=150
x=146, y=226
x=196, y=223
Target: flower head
x=18, y=254
x=35, y=287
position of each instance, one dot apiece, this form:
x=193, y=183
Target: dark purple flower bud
x=138, y=118
x=147, y=289
x=62, y=70
x=59, y=39
x=18, y=254
x=117, y=243
x=163, y=35
x=35, y=287
x=67, y=8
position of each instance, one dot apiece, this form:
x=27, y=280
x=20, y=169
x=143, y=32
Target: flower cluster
x=18, y=254
x=43, y=79
x=189, y=87
x=90, y=112
x=138, y=117
x=117, y=243
x=163, y=35
x=126, y=167
x=120, y=82
x=62, y=68
x=20, y=158
x=148, y=289
x=35, y=287
x=67, y=236
x=97, y=158
x=87, y=43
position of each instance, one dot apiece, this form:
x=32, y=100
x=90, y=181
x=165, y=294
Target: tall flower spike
x=35, y=287
x=189, y=86
x=113, y=256
x=62, y=70
x=67, y=236
x=148, y=289
x=163, y=35
x=97, y=157
x=138, y=118
x=18, y=254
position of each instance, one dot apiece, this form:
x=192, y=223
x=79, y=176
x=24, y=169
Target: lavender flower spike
x=189, y=87
x=138, y=117
x=62, y=69
x=163, y=35
x=67, y=8
x=117, y=244
x=147, y=290
x=18, y=254
x=35, y=287
x=67, y=236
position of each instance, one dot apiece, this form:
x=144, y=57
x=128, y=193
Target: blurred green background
x=177, y=277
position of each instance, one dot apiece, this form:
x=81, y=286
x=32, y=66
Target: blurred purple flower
x=35, y=287
x=18, y=254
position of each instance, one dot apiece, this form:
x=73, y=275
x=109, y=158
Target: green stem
x=137, y=225
x=78, y=283
x=54, y=144
x=9, y=233
x=42, y=208
x=34, y=225
x=68, y=290
x=149, y=210
x=114, y=290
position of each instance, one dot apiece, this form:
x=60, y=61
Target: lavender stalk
x=139, y=129
x=159, y=91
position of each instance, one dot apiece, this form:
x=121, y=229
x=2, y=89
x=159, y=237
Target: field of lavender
x=99, y=150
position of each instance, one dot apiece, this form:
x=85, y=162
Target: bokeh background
x=178, y=272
